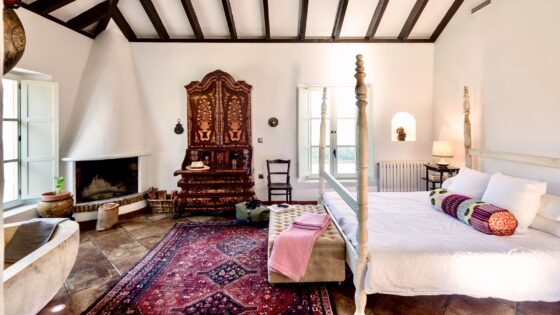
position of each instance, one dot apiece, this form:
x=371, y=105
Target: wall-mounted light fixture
x=178, y=127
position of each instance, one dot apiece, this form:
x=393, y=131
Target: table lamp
x=443, y=150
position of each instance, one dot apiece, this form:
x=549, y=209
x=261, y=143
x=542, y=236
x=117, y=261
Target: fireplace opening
x=105, y=179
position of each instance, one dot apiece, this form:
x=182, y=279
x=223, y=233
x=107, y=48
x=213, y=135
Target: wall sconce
x=178, y=127
x=403, y=127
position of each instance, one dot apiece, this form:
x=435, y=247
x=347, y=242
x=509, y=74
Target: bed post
x=467, y=127
x=322, y=141
x=362, y=189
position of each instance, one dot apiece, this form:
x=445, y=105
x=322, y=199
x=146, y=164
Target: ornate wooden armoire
x=219, y=135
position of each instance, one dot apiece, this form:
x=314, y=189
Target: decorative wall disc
x=273, y=122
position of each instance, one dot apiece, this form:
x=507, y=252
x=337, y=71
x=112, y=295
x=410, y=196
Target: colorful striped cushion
x=481, y=216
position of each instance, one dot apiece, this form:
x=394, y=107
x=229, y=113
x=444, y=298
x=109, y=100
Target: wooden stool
x=328, y=257
x=107, y=216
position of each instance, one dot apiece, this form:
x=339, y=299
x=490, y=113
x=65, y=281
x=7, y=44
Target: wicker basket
x=161, y=206
x=160, y=201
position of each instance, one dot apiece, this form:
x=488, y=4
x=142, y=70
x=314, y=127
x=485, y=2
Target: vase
x=55, y=206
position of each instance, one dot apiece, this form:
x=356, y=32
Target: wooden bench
x=328, y=258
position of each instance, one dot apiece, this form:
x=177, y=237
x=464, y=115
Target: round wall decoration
x=273, y=122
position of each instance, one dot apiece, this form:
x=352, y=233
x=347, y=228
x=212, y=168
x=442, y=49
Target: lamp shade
x=442, y=149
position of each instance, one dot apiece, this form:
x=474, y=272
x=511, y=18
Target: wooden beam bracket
x=412, y=18
x=193, y=20
x=303, y=19
x=376, y=19
x=450, y=13
x=154, y=17
x=229, y=19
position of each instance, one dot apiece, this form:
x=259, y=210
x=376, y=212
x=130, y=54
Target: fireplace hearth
x=105, y=179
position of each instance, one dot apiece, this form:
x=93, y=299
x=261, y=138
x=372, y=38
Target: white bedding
x=417, y=250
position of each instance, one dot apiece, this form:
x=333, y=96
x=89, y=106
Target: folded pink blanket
x=292, y=249
x=312, y=221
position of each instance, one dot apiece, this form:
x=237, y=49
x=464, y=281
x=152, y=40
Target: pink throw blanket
x=292, y=249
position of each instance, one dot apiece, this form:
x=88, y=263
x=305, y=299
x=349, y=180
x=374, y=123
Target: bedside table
x=441, y=170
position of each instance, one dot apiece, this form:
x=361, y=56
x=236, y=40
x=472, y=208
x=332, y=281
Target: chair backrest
x=275, y=172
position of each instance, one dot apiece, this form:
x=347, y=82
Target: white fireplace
x=93, y=180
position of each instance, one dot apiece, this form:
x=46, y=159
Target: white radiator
x=400, y=176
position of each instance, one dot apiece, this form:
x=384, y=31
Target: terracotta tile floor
x=104, y=256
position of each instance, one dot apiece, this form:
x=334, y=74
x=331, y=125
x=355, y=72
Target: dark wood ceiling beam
x=229, y=19
x=376, y=19
x=281, y=40
x=123, y=25
x=412, y=18
x=340, y=13
x=102, y=25
x=47, y=6
x=450, y=13
x=154, y=17
x=303, y=19
x=90, y=16
x=193, y=20
x=57, y=21
x=266, y=19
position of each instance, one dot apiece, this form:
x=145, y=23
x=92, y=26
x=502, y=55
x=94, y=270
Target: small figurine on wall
x=401, y=134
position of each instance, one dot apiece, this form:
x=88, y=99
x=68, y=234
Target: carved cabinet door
x=236, y=115
x=203, y=118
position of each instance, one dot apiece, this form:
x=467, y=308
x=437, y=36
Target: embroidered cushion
x=481, y=216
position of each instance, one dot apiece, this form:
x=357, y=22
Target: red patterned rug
x=216, y=268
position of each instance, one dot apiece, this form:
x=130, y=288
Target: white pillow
x=546, y=225
x=470, y=183
x=446, y=183
x=522, y=197
x=550, y=207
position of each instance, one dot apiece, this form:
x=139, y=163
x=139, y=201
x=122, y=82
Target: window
x=30, y=139
x=10, y=137
x=340, y=150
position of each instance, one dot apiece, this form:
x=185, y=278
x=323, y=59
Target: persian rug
x=211, y=268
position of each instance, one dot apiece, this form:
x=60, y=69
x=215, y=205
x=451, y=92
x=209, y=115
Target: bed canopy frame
x=357, y=254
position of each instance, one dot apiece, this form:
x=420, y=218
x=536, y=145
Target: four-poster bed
x=408, y=248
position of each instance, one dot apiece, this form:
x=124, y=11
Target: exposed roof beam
x=303, y=19
x=340, y=13
x=229, y=18
x=57, y=21
x=47, y=6
x=266, y=19
x=193, y=20
x=90, y=16
x=154, y=17
x=412, y=18
x=454, y=7
x=123, y=25
x=102, y=25
x=376, y=18
x=282, y=40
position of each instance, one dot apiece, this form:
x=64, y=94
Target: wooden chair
x=279, y=186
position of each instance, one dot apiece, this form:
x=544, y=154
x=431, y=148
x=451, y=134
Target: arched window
x=403, y=127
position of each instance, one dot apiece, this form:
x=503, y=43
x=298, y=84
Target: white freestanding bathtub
x=32, y=282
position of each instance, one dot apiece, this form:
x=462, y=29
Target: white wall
x=401, y=75
x=509, y=54
x=59, y=52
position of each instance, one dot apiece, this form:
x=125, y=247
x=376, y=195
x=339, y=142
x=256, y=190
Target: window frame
x=332, y=145
x=19, y=200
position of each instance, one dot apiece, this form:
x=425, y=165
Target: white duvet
x=417, y=250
